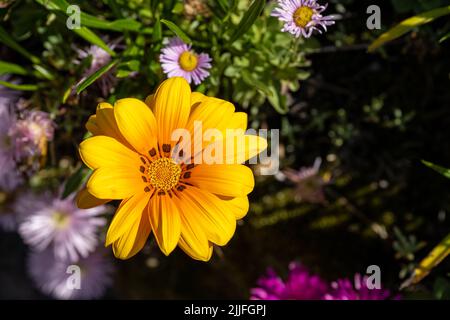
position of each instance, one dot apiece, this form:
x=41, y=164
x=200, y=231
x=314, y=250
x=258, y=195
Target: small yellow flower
x=190, y=205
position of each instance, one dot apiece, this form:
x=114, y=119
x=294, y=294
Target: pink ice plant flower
x=179, y=60
x=52, y=222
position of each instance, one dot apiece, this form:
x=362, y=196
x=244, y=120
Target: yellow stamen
x=164, y=174
x=188, y=61
x=61, y=219
x=303, y=16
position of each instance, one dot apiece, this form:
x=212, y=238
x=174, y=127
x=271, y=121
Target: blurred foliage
x=370, y=117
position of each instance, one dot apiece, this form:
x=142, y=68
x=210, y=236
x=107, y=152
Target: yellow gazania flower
x=190, y=205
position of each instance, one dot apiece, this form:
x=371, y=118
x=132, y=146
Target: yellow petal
x=136, y=123
x=106, y=123
x=172, y=107
x=207, y=210
x=85, y=200
x=150, y=102
x=212, y=113
x=133, y=240
x=238, y=149
x=234, y=180
x=101, y=151
x=165, y=220
x=118, y=182
x=193, y=240
x=128, y=214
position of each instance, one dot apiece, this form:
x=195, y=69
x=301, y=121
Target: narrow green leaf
x=11, y=68
x=224, y=5
x=91, y=37
x=444, y=171
x=66, y=94
x=21, y=87
x=447, y=36
x=407, y=25
x=41, y=72
x=10, y=42
x=247, y=21
x=93, y=77
x=435, y=257
x=175, y=29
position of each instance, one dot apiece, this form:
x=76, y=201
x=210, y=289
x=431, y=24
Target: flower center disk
x=188, y=61
x=164, y=174
x=302, y=16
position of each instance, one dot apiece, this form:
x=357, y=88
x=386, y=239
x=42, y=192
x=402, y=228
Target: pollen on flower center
x=302, y=16
x=164, y=174
x=188, y=61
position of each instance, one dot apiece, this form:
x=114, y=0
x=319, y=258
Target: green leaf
x=97, y=74
x=21, y=87
x=11, y=68
x=407, y=25
x=175, y=29
x=252, y=81
x=91, y=37
x=247, y=21
x=444, y=171
x=277, y=100
x=75, y=181
x=66, y=94
x=41, y=72
x=10, y=42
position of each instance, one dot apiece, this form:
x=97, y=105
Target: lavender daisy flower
x=309, y=182
x=302, y=17
x=178, y=60
x=7, y=120
x=9, y=181
x=51, y=221
x=52, y=278
x=31, y=134
x=344, y=289
x=7, y=95
x=99, y=59
x=300, y=285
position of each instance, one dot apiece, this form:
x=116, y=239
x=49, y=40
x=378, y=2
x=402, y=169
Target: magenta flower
x=300, y=285
x=31, y=133
x=302, y=17
x=345, y=289
x=59, y=224
x=178, y=60
x=52, y=276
